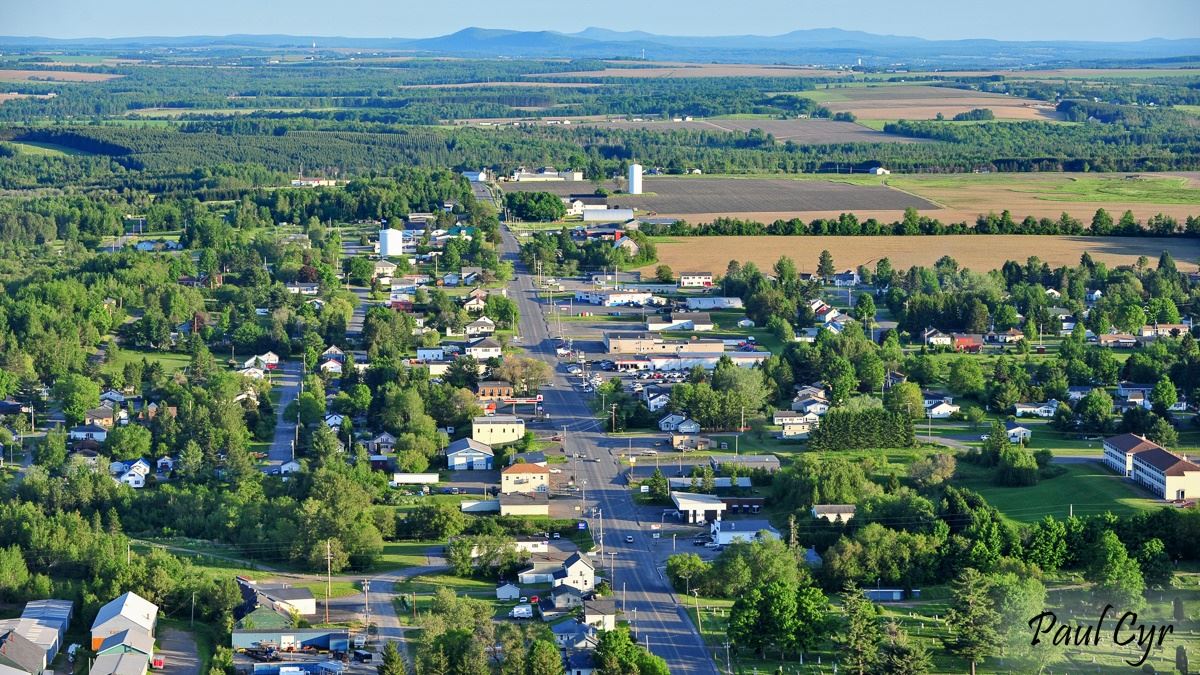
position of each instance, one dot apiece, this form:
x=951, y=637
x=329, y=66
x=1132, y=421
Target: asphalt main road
x=638, y=581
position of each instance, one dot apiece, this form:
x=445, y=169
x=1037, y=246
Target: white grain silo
x=635, y=179
x=391, y=243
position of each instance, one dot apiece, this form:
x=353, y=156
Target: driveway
x=178, y=649
x=287, y=379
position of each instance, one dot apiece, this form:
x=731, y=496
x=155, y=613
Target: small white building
x=508, y=591
x=697, y=508
x=725, y=532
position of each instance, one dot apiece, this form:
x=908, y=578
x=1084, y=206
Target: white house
x=1046, y=409
x=671, y=422
x=1018, y=433
x=697, y=508
x=480, y=327
x=577, y=572
x=834, y=513
x=657, y=401
x=331, y=367
x=483, y=349
x=941, y=410
x=431, y=354
x=88, y=432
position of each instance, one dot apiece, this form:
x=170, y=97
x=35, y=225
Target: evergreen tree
x=972, y=619
x=862, y=637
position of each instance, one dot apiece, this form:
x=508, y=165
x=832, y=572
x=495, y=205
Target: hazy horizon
x=1016, y=20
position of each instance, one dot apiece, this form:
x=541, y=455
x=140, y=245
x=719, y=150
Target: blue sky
x=935, y=19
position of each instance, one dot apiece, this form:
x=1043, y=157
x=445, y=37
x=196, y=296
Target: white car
x=555, y=470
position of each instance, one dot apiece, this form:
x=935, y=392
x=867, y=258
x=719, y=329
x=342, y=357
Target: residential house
x=566, y=597
x=1165, y=330
x=165, y=464
x=628, y=245
x=426, y=354
x=1117, y=341
x=818, y=405
x=695, y=279
x=1008, y=337
x=482, y=326
x=847, y=278
x=384, y=269
x=128, y=611
x=573, y=634
x=671, y=422
x=933, y=337
x=101, y=416
x=467, y=454
x=483, y=349
x=497, y=429
x=540, y=568
x=333, y=352
x=1077, y=393
x=577, y=572
x=600, y=613
x=522, y=477
x=89, y=432
x=933, y=398
x=303, y=289
x=330, y=367
x=1126, y=388
x=834, y=513
x=112, y=396
x=381, y=443
x=29, y=643
x=581, y=662
x=474, y=304
x=941, y=411
x=471, y=274
x=1046, y=409
x=656, y=400
x=1018, y=433
x=335, y=421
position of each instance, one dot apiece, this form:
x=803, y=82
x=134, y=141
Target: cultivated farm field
x=805, y=132
x=917, y=102
x=686, y=197
x=977, y=252
x=7, y=75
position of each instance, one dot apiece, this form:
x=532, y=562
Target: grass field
x=1087, y=487
x=705, y=195
x=916, y=102
x=171, y=361
x=1193, y=109
x=977, y=252
x=44, y=149
x=10, y=75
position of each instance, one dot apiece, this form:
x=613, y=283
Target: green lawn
x=1191, y=109
x=1072, y=188
x=1089, y=488
x=171, y=361
x=44, y=149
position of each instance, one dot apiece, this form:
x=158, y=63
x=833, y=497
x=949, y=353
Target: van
x=362, y=656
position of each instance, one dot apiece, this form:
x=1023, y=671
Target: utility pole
x=328, y=577
x=366, y=584
x=192, y=621
x=614, y=418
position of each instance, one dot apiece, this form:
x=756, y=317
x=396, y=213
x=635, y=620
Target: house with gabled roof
x=127, y=611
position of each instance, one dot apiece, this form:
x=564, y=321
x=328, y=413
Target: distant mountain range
x=829, y=46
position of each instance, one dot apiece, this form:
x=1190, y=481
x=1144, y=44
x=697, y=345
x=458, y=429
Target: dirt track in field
x=977, y=252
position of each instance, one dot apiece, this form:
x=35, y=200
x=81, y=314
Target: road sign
x=582, y=525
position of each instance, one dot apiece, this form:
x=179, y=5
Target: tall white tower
x=635, y=179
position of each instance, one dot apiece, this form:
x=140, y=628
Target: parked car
x=629, y=539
